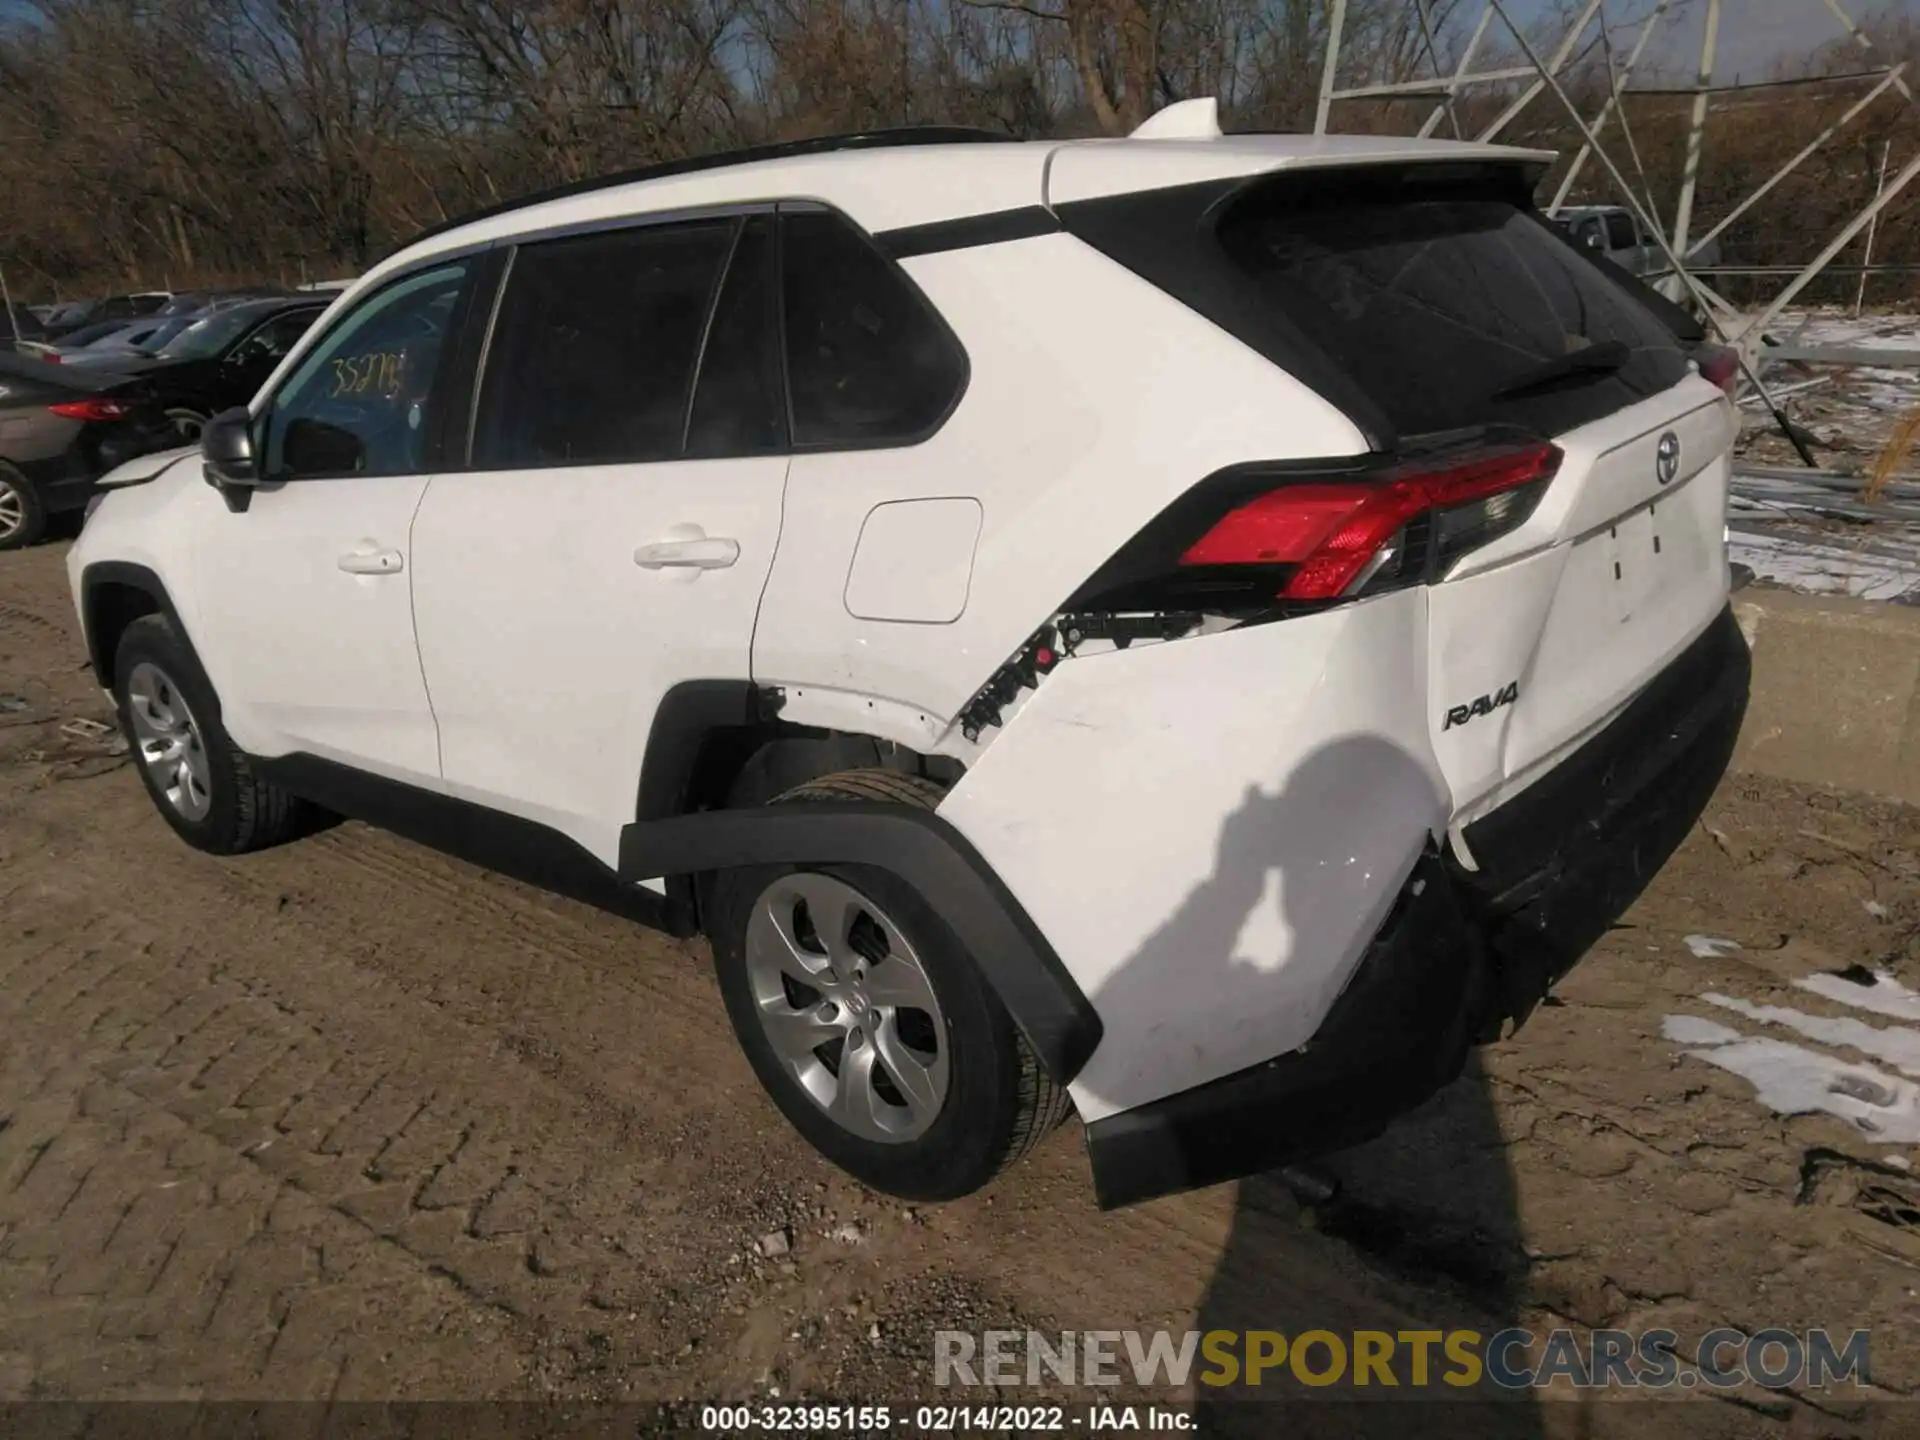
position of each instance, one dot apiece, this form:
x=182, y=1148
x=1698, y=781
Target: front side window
x=869, y=361
x=595, y=346
x=358, y=404
x=1620, y=234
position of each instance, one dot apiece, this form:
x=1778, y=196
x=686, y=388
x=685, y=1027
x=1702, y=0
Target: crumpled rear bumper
x=1564, y=859
x=1462, y=951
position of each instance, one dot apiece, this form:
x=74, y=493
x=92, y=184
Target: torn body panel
x=1211, y=831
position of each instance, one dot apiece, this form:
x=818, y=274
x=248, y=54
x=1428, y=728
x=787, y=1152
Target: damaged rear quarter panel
x=1210, y=830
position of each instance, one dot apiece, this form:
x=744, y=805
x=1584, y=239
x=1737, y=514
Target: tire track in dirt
x=718, y=1160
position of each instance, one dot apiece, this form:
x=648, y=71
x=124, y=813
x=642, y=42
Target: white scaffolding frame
x=1744, y=332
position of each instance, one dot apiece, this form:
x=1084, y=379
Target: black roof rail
x=818, y=145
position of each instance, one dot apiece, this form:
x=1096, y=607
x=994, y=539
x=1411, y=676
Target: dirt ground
x=349, y=1120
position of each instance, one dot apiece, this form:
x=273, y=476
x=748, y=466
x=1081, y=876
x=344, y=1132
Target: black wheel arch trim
x=928, y=853
x=135, y=577
x=688, y=713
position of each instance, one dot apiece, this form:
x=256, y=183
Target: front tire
x=868, y=1023
x=199, y=781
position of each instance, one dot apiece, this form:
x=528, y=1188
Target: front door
x=304, y=597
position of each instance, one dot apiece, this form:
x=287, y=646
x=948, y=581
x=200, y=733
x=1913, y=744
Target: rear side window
x=869, y=361
x=1417, y=302
x=594, y=348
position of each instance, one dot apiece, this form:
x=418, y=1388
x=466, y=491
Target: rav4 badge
x=1485, y=705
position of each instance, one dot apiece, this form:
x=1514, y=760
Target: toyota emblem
x=1666, y=458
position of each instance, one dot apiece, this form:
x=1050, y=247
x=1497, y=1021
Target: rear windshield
x=1420, y=304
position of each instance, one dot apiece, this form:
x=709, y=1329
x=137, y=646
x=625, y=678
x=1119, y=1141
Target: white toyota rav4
x=1193, y=630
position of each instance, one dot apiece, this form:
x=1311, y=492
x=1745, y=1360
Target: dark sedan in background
x=61, y=429
x=221, y=359
x=63, y=426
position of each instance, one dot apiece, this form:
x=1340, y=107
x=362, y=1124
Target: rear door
x=613, y=531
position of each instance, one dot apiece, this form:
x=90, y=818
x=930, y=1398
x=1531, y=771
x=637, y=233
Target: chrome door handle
x=707, y=553
x=373, y=562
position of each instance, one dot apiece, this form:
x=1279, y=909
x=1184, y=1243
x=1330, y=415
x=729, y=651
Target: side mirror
x=226, y=448
x=1593, y=242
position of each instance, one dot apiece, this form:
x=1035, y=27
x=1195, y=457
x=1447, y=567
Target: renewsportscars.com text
x=1512, y=1359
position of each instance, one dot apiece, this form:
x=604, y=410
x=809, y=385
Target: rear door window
x=739, y=401
x=594, y=349
x=869, y=360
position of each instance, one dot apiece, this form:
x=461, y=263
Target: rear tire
x=846, y=971
x=188, y=424
x=23, y=518
x=199, y=781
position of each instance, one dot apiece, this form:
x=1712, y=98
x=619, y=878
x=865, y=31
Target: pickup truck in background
x=1613, y=231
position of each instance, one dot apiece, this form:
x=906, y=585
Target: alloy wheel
x=168, y=741
x=847, y=1006
x=13, y=509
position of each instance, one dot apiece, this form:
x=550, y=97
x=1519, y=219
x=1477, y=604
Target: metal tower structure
x=1542, y=73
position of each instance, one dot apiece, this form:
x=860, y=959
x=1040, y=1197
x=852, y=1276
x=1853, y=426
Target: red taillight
x=1335, y=535
x=92, y=409
x=1719, y=364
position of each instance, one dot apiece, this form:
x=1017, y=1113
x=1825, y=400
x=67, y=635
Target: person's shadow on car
x=1414, y=1231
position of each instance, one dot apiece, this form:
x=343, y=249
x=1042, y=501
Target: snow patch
x=1896, y=1046
x=1709, y=947
x=1884, y=996
x=1692, y=1030
x=1884, y=570
x=1792, y=1080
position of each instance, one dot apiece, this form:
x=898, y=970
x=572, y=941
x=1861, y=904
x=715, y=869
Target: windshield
x=208, y=336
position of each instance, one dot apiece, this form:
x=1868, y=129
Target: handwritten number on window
x=378, y=373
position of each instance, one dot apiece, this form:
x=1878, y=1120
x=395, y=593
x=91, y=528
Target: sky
x=1755, y=35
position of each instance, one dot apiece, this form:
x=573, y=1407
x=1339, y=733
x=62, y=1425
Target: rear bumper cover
x=1564, y=859
x=1462, y=950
